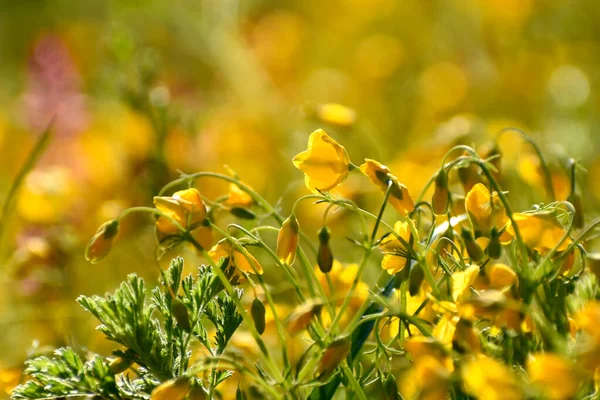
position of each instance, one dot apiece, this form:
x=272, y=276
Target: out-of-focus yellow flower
x=540, y=231
x=500, y=276
x=47, y=195
x=488, y=379
x=238, y=197
x=242, y=259
x=399, y=198
x=174, y=389
x=287, y=240
x=429, y=379
x=553, y=375
x=186, y=209
x=465, y=338
x=378, y=56
x=9, y=378
x=325, y=163
x=395, y=259
x=485, y=211
x=101, y=244
x=336, y=114
x=462, y=282
x=302, y=315
x=588, y=319
x=443, y=86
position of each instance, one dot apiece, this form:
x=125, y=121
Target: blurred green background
x=140, y=90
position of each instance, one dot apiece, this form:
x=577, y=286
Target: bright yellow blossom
x=336, y=114
x=485, y=210
x=488, y=379
x=101, y=244
x=500, y=276
x=287, y=240
x=394, y=259
x=174, y=389
x=325, y=163
x=553, y=375
x=242, y=259
x=462, y=282
x=399, y=198
x=540, y=231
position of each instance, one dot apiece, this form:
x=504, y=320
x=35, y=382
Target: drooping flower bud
x=441, y=195
x=287, y=240
x=180, y=312
x=578, y=218
x=335, y=353
x=473, y=249
x=101, y=244
x=242, y=213
x=415, y=279
x=301, y=317
x=174, y=389
x=324, y=255
x=494, y=248
x=258, y=315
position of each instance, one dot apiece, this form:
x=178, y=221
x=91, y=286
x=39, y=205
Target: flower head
x=484, y=209
x=553, y=375
x=242, y=259
x=287, y=240
x=540, y=231
x=336, y=114
x=399, y=198
x=183, y=212
x=325, y=163
x=101, y=244
x=486, y=378
x=395, y=252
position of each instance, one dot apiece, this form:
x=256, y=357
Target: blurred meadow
x=137, y=92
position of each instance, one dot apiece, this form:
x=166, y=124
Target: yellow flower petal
x=553, y=375
x=400, y=197
x=325, y=163
x=462, y=281
x=487, y=379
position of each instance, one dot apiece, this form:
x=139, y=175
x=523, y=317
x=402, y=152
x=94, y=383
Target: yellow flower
x=485, y=210
x=242, y=259
x=238, y=197
x=588, y=319
x=500, y=276
x=399, y=198
x=101, y=244
x=488, y=379
x=174, y=389
x=462, y=282
x=336, y=114
x=325, y=164
x=287, y=240
x=395, y=259
x=184, y=210
x=540, y=231
x=553, y=375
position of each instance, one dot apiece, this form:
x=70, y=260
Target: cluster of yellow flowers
x=484, y=301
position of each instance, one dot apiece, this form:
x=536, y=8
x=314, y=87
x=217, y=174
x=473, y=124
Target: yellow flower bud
x=473, y=249
x=324, y=255
x=287, y=240
x=101, y=244
x=381, y=176
x=174, y=389
x=336, y=114
x=325, y=163
x=441, y=194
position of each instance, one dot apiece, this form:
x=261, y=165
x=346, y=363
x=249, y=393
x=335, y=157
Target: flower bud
x=578, y=218
x=119, y=365
x=494, y=247
x=324, y=255
x=301, y=317
x=335, y=353
x=473, y=249
x=242, y=213
x=441, y=195
x=390, y=388
x=258, y=315
x=180, y=312
x=415, y=279
x=101, y=244
x=174, y=389
x=287, y=240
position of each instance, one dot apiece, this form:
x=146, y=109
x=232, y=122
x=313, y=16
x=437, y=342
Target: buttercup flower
x=101, y=244
x=399, y=198
x=325, y=163
x=485, y=210
x=184, y=210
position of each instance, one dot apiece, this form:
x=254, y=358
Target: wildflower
x=335, y=353
x=488, y=379
x=336, y=114
x=494, y=248
x=474, y=250
x=241, y=258
x=237, y=197
x=500, y=276
x=287, y=240
x=324, y=255
x=485, y=210
x=395, y=252
x=258, y=313
x=184, y=210
x=441, y=194
x=540, y=231
x=553, y=375
x=588, y=319
x=174, y=389
x=101, y=244
x=325, y=164
x=301, y=317
x=399, y=198
x=462, y=281
x=465, y=338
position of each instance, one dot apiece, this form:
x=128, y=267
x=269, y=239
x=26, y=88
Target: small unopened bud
x=258, y=315
x=119, y=365
x=242, y=213
x=494, y=248
x=101, y=244
x=174, y=389
x=180, y=312
x=324, y=254
x=390, y=388
x=441, y=195
x=473, y=249
x=335, y=353
x=287, y=240
x=415, y=279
